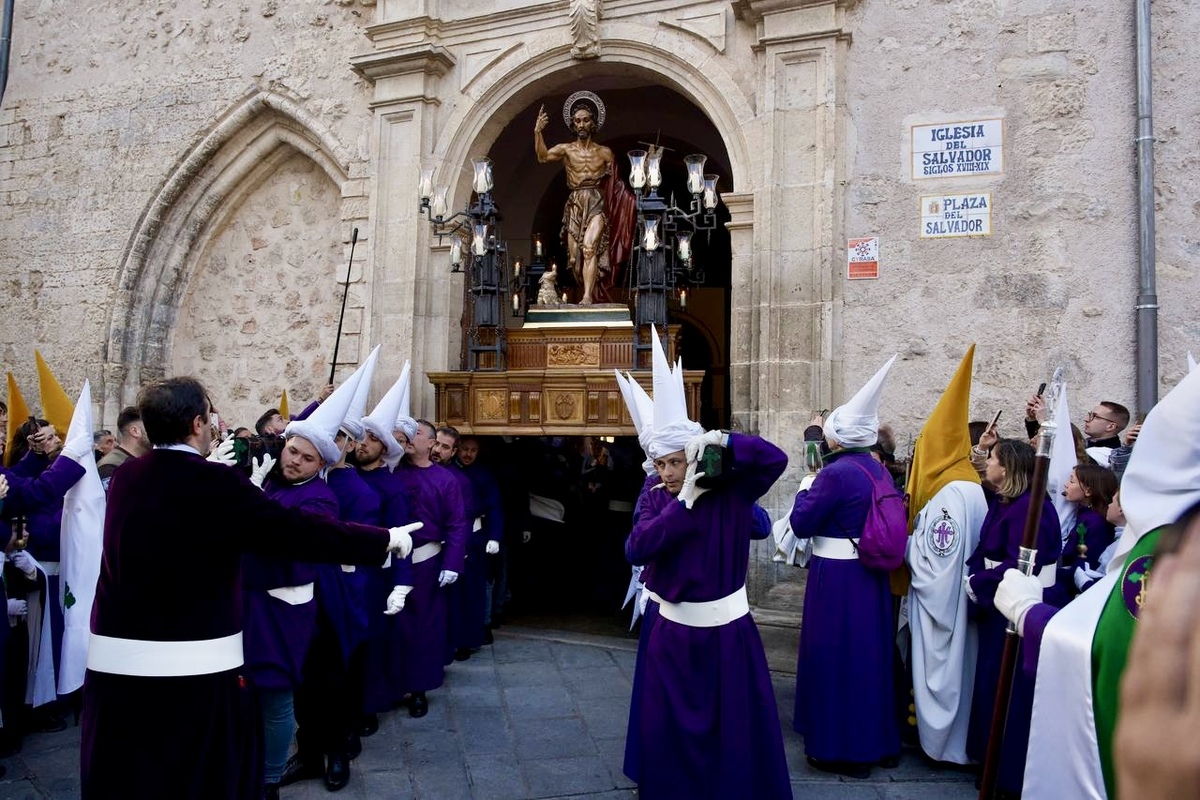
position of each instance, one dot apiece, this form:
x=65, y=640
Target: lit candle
x=480, y=239
x=653, y=170
x=455, y=251
x=637, y=168
x=483, y=175
x=710, y=192
x=440, y=206
x=537, y=246
x=425, y=184
x=516, y=302
x=564, y=297
x=517, y=268
x=650, y=235
x=683, y=298
x=685, y=246
x=695, y=173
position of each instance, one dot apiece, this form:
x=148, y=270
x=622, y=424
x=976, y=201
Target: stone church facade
x=180, y=182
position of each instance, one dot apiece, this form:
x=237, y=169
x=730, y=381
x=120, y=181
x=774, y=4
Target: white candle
x=516, y=302
x=425, y=185
x=710, y=199
x=455, y=251
x=685, y=248
x=650, y=238
x=655, y=176
x=537, y=246
x=683, y=298
x=564, y=297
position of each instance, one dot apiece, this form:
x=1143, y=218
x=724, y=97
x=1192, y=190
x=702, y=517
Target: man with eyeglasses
x=1101, y=426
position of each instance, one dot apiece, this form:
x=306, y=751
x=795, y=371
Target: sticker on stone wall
x=958, y=149
x=862, y=258
x=945, y=216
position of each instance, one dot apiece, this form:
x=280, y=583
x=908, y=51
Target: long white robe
x=944, y=645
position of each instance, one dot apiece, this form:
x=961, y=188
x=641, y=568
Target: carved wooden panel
x=573, y=354
x=456, y=403
x=593, y=406
x=514, y=407
x=491, y=405
x=564, y=407
x=535, y=407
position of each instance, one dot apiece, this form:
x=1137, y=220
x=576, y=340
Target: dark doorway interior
x=572, y=573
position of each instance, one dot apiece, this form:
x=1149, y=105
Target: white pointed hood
x=321, y=426
x=1163, y=477
x=352, y=424
x=672, y=428
x=1191, y=362
x=382, y=421
x=856, y=423
x=404, y=420
x=641, y=411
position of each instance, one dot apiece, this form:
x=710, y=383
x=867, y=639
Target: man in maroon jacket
x=167, y=708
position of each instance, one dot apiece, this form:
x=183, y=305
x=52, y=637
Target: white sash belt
x=839, y=549
x=350, y=567
x=51, y=567
x=426, y=552
x=1045, y=574
x=293, y=595
x=620, y=506
x=712, y=614
x=149, y=659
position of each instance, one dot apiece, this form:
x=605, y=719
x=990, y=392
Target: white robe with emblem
x=944, y=643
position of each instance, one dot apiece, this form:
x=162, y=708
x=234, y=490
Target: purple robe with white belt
x=706, y=716
x=844, y=689
x=175, y=530
x=342, y=589
x=385, y=640
x=277, y=631
x=435, y=499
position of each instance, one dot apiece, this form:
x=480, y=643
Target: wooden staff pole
x=346, y=291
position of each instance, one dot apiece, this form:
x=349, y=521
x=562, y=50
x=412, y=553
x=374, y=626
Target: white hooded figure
x=322, y=425
x=672, y=429
x=352, y=423
x=381, y=422
x=1071, y=726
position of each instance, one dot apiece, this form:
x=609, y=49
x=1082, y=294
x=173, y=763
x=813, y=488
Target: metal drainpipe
x=1147, y=301
x=5, y=45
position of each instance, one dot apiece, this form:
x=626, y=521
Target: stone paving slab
x=537, y=715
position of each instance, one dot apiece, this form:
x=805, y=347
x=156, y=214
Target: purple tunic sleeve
x=1036, y=620
x=659, y=533
x=1000, y=540
x=760, y=525
x=27, y=494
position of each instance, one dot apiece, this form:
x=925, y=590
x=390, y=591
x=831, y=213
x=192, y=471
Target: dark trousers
x=329, y=704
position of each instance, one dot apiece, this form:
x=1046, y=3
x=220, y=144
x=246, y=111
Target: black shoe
x=368, y=725
x=337, y=774
x=300, y=768
x=850, y=769
x=462, y=654
x=889, y=762
x=418, y=706
x=271, y=791
x=353, y=746
x=487, y=636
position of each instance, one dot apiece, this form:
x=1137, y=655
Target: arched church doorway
x=571, y=572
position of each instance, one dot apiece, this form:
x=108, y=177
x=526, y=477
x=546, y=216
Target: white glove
x=690, y=492
x=3, y=491
x=967, y=587
x=395, y=600
x=401, y=542
x=18, y=608
x=492, y=548
x=260, y=469
x=696, y=444
x=1016, y=594
x=223, y=453
x=526, y=536
x=447, y=577
x=1085, y=575
x=78, y=447
x=24, y=562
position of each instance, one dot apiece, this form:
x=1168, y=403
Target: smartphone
x=996, y=418
x=1041, y=390
x=824, y=413
x=712, y=464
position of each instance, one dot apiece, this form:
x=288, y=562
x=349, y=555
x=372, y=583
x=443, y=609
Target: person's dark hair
x=1099, y=485
x=975, y=430
x=169, y=406
x=427, y=424
x=20, y=443
x=1016, y=456
x=450, y=431
x=264, y=419
x=100, y=434
x=128, y=416
x=3, y=406
x=1119, y=413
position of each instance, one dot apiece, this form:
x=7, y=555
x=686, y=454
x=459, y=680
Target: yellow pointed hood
x=18, y=412
x=943, y=450
x=56, y=405
x=283, y=407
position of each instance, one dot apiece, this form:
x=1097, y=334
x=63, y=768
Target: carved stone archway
x=207, y=184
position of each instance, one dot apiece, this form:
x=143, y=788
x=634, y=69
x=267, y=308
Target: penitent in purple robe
x=707, y=725
x=844, y=688
x=342, y=589
x=435, y=499
x=385, y=640
x=471, y=586
x=489, y=510
x=174, y=534
x=278, y=633
x=1000, y=541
